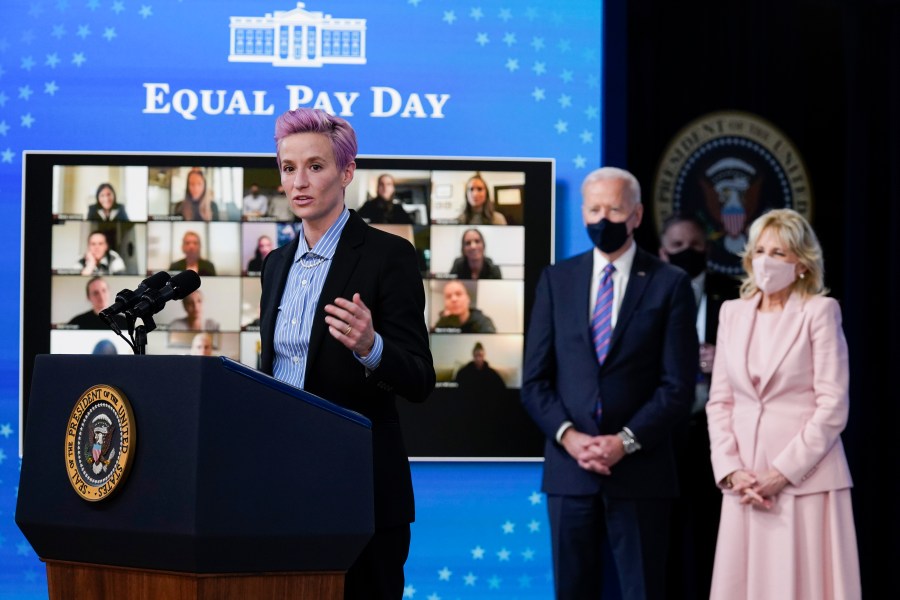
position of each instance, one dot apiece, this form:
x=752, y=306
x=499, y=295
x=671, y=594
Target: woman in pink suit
x=778, y=403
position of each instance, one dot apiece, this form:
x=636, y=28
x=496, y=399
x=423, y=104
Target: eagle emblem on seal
x=98, y=450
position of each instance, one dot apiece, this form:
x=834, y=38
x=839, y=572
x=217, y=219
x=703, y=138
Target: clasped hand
x=759, y=490
x=596, y=453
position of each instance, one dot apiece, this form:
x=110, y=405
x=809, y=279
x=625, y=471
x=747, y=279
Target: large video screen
x=98, y=224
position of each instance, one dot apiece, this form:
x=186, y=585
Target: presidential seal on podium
x=100, y=441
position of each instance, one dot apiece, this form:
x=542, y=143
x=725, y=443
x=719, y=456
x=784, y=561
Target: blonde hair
x=798, y=235
x=205, y=205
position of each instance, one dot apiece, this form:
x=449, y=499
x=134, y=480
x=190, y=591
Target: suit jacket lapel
x=743, y=323
x=789, y=325
x=637, y=283
x=281, y=273
x=344, y=262
x=578, y=289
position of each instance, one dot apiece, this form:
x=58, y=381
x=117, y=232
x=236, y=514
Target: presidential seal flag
x=100, y=441
x=725, y=169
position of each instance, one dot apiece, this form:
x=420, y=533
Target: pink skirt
x=803, y=548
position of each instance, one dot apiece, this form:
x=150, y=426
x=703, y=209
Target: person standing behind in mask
x=610, y=364
x=695, y=517
x=778, y=402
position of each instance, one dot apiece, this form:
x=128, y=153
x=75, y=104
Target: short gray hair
x=632, y=185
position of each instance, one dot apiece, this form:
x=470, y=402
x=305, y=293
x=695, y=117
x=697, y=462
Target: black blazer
x=383, y=268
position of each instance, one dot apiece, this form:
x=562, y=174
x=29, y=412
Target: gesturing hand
x=350, y=323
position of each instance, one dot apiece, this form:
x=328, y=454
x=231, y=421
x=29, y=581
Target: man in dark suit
x=683, y=243
x=342, y=316
x=607, y=401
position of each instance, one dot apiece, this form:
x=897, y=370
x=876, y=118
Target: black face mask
x=608, y=236
x=692, y=261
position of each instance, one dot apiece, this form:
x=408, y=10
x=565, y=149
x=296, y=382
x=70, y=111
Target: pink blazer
x=794, y=422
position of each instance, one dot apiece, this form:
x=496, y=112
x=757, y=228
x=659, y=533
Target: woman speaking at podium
x=342, y=317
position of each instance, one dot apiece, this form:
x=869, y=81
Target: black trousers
x=378, y=572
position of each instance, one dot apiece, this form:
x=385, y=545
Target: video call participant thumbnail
x=480, y=208
x=194, y=320
x=191, y=246
x=383, y=208
x=106, y=207
x=100, y=259
x=198, y=203
x=98, y=295
x=264, y=245
x=202, y=345
x=459, y=314
x=478, y=376
x=254, y=203
x=473, y=264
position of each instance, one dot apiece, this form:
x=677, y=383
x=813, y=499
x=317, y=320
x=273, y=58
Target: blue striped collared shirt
x=298, y=306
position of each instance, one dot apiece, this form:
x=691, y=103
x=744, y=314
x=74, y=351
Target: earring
x=803, y=275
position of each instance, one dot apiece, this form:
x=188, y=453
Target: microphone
x=127, y=298
x=176, y=288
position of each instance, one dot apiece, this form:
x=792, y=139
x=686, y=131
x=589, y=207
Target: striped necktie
x=601, y=322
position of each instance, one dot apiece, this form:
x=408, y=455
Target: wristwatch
x=629, y=442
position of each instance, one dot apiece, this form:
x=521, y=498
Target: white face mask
x=772, y=275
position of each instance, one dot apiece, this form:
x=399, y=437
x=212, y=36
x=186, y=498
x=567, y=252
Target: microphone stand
x=140, y=332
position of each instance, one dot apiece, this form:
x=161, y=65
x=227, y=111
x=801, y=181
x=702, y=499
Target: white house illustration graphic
x=298, y=38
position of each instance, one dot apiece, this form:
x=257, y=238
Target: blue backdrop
x=436, y=78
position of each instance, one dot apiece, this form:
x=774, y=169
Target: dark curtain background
x=827, y=74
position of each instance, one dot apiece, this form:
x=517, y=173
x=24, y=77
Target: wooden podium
x=239, y=486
